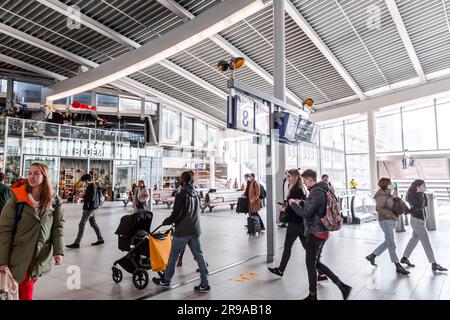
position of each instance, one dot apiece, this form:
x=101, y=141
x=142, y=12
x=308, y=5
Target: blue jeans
x=178, y=247
x=389, y=242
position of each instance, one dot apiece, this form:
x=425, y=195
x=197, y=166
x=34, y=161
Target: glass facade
x=84, y=97
x=171, y=126
x=107, y=101
x=130, y=105
x=419, y=128
x=27, y=92
x=388, y=130
x=443, y=115
x=3, y=85
x=201, y=136
x=187, y=133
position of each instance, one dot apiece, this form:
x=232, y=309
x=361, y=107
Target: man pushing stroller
x=186, y=217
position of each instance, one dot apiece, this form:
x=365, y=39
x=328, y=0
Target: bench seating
x=221, y=198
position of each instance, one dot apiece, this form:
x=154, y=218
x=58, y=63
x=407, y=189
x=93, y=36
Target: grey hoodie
x=185, y=214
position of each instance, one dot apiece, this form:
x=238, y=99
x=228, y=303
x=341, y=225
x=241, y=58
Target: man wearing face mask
x=418, y=202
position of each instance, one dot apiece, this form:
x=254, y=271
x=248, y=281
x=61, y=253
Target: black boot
x=371, y=258
x=310, y=297
x=436, y=267
x=405, y=260
x=276, y=271
x=345, y=289
x=400, y=269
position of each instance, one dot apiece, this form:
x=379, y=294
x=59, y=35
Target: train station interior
x=139, y=92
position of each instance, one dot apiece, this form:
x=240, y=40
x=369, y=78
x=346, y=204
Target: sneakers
x=405, y=260
x=310, y=297
x=202, y=288
x=276, y=271
x=160, y=282
x=73, y=246
x=371, y=259
x=399, y=269
x=99, y=242
x=436, y=267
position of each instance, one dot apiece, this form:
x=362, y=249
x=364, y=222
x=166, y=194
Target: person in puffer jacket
x=315, y=236
x=387, y=220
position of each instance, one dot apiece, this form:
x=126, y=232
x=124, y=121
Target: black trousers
x=293, y=231
x=313, y=247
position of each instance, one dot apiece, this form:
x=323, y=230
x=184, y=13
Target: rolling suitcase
x=242, y=205
x=253, y=225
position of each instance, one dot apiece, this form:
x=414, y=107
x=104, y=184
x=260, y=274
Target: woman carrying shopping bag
x=31, y=230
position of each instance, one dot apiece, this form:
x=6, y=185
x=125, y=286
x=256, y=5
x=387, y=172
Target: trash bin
x=431, y=211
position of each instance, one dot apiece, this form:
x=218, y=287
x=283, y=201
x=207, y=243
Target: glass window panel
x=171, y=126
x=84, y=97
x=3, y=85
x=358, y=169
x=443, y=114
x=356, y=137
x=27, y=92
x=332, y=137
x=107, y=101
x=130, y=105
x=388, y=133
x=212, y=138
x=419, y=128
x=186, y=137
x=150, y=106
x=201, y=135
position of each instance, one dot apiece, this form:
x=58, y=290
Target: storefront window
x=171, y=126
x=125, y=175
x=201, y=138
x=443, y=114
x=27, y=92
x=12, y=166
x=212, y=138
x=186, y=137
x=71, y=171
x=389, y=131
x=84, y=97
x=107, y=101
x=130, y=105
x=419, y=128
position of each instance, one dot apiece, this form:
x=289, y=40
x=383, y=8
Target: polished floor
x=238, y=267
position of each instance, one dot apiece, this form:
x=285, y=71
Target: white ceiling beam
x=83, y=19
x=30, y=67
x=323, y=48
x=36, y=42
x=420, y=91
x=219, y=17
x=401, y=28
x=110, y=33
x=228, y=47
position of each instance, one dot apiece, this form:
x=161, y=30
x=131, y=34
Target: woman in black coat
x=295, y=228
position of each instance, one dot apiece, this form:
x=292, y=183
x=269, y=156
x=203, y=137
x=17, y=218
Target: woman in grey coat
x=418, y=202
x=387, y=220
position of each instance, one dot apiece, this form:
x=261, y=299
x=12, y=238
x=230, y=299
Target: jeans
x=313, y=247
x=419, y=234
x=389, y=242
x=178, y=247
x=294, y=231
x=88, y=215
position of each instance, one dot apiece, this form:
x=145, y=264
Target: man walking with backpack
x=90, y=205
x=5, y=191
x=314, y=212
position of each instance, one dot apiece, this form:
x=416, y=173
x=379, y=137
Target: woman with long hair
x=387, y=219
x=297, y=191
x=31, y=230
x=142, y=196
x=418, y=202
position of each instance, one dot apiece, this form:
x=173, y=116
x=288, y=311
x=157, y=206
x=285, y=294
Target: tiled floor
x=226, y=243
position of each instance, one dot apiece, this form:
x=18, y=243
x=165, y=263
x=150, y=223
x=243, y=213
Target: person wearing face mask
x=418, y=201
x=387, y=220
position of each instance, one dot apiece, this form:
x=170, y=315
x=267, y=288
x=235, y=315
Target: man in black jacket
x=186, y=217
x=315, y=208
x=91, y=202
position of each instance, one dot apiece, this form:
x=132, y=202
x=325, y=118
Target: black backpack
x=262, y=192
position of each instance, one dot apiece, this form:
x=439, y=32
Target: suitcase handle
x=159, y=227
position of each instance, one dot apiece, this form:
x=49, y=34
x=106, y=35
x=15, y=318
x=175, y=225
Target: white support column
x=276, y=152
x=212, y=172
x=372, y=151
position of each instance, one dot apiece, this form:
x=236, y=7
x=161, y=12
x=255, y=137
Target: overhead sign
x=262, y=118
x=241, y=114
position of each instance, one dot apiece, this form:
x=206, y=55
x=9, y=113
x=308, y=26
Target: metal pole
x=372, y=151
x=276, y=160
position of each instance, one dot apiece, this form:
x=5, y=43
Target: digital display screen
x=291, y=125
x=306, y=131
x=262, y=118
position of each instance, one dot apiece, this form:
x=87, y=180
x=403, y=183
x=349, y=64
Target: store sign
x=88, y=152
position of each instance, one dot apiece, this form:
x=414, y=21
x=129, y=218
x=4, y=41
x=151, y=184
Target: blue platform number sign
x=244, y=114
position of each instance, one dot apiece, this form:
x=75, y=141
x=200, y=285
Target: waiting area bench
x=166, y=196
x=221, y=198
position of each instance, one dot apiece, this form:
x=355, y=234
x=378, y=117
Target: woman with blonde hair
x=295, y=227
x=31, y=230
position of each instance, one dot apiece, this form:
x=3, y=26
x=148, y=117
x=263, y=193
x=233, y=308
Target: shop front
x=114, y=159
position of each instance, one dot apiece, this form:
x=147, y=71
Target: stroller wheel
x=117, y=274
x=140, y=279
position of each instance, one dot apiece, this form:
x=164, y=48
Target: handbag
x=283, y=217
x=9, y=288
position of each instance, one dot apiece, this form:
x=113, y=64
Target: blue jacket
x=315, y=208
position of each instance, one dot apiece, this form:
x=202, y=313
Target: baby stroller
x=135, y=238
